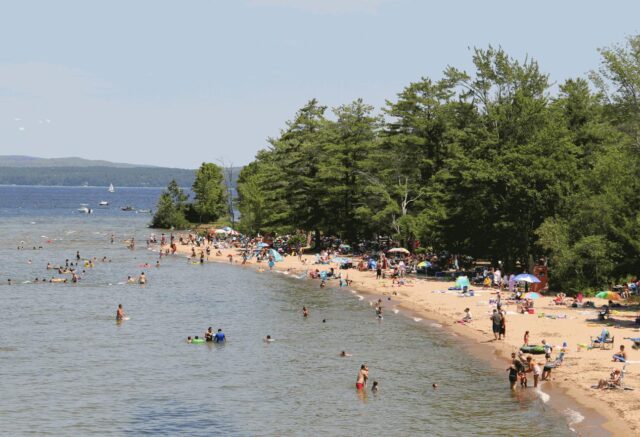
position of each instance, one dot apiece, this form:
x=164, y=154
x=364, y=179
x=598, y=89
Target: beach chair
x=620, y=384
x=602, y=340
x=635, y=340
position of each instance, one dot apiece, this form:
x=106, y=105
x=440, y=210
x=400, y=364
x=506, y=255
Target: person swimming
x=189, y=339
x=305, y=312
x=375, y=387
x=344, y=354
x=143, y=279
x=268, y=339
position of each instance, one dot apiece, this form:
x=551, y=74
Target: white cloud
x=326, y=6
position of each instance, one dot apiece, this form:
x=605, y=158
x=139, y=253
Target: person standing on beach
x=503, y=325
x=363, y=375
x=496, y=322
x=378, y=271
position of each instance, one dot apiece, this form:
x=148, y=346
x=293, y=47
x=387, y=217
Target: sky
x=178, y=83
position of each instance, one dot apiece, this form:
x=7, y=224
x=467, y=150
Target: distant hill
x=27, y=170
x=96, y=176
x=30, y=161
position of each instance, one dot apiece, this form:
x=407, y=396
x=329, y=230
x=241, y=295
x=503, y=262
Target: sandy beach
x=582, y=368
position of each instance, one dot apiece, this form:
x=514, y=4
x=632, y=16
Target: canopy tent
x=424, y=264
x=532, y=295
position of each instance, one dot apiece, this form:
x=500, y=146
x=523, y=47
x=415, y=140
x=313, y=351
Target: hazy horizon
x=174, y=84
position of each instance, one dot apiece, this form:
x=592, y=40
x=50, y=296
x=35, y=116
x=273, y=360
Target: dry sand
x=582, y=367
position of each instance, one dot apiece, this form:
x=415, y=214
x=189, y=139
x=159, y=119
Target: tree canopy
x=494, y=162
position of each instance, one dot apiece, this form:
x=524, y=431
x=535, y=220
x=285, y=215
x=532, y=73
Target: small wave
x=353, y=291
x=416, y=319
x=360, y=297
x=396, y=311
x=573, y=417
x=435, y=325
x=544, y=397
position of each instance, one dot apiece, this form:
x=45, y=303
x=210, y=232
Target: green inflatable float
x=532, y=349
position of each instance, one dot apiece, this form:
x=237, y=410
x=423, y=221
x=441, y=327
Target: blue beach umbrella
x=526, y=277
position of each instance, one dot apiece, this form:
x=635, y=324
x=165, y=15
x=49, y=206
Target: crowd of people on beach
x=523, y=366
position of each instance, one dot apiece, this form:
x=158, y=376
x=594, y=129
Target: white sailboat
x=111, y=189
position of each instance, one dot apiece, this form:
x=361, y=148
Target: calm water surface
x=66, y=368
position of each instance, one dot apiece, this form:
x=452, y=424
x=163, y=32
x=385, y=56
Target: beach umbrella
x=340, y=260
x=424, y=264
x=610, y=295
x=532, y=295
x=220, y=231
x=398, y=250
x=462, y=282
x=526, y=277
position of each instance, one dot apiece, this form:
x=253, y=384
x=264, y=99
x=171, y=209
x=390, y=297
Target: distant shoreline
x=84, y=186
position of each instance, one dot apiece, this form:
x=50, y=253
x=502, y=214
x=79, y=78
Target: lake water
x=66, y=368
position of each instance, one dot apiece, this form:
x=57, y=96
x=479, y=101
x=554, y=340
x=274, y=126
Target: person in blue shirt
x=219, y=337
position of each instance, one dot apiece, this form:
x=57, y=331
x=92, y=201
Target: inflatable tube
x=197, y=341
x=532, y=349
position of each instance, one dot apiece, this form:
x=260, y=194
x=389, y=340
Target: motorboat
x=128, y=208
x=111, y=189
x=84, y=210
x=103, y=203
x=144, y=211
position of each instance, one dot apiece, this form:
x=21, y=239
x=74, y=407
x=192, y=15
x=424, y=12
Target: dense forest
x=95, y=176
x=499, y=163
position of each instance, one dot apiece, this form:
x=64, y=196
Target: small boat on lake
x=103, y=203
x=128, y=208
x=111, y=189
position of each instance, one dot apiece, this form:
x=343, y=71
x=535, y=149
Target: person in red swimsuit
x=363, y=375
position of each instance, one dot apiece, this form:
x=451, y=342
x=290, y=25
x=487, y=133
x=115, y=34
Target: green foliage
x=170, y=211
x=486, y=163
x=210, y=202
